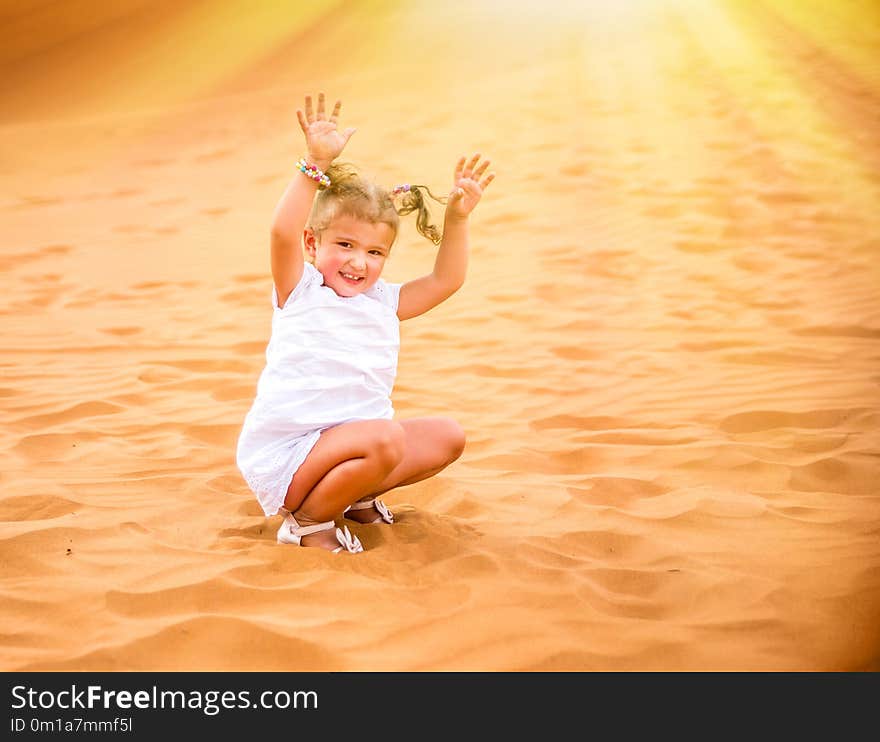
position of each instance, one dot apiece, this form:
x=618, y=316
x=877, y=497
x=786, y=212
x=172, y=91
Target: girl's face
x=350, y=253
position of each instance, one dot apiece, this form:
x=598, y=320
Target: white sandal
x=292, y=532
x=384, y=513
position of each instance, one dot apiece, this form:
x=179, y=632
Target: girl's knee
x=455, y=438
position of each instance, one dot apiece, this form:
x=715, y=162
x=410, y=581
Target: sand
x=665, y=355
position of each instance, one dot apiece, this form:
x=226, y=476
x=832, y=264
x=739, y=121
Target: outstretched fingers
x=480, y=170
x=465, y=168
x=310, y=115
x=322, y=111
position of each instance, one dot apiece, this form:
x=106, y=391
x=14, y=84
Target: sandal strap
x=384, y=513
x=361, y=505
x=298, y=530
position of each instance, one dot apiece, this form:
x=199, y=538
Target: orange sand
x=665, y=355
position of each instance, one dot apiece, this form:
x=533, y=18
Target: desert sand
x=665, y=356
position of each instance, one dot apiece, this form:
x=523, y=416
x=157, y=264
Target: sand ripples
x=665, y=360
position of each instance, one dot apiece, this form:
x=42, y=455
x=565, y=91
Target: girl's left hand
x=468, y=186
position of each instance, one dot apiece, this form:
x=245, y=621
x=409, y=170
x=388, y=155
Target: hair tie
x=402, y=188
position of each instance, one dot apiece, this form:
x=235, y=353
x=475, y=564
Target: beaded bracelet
x=402, y=188
x=313, y=172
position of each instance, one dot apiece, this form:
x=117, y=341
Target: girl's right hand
x=323, y=141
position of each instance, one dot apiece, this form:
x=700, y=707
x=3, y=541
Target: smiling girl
x=319, y=443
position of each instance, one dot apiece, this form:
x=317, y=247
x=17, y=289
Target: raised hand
x=469, y=186
x=323, y=141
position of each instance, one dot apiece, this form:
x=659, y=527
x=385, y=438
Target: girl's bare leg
x=432, y=444
x=360, y=460
x=348, y=461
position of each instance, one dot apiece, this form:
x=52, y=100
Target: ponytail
x=414, y=200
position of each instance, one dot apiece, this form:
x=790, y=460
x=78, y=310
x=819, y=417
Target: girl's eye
x=376, y=252
x=345, y=244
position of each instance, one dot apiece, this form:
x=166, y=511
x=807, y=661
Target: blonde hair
x=351, y=194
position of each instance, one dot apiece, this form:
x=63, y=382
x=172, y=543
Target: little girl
x=319, y=442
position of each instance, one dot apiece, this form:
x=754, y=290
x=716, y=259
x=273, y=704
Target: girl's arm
x=288, y=223
x=323, y=144
x=450, y=267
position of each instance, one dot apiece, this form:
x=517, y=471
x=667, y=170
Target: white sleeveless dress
x=330, y=360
